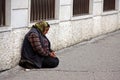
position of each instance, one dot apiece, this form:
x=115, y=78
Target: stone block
x=11, y=43
x=65, y=13
x=5, y=50
x=97, y=8
x=19, y=18
x=97, y=0
x=109, y=23
x=17, y=4
x=64, y=34
x=118, y=18
x=65, y=2
x=97, y=25
x=85, y=27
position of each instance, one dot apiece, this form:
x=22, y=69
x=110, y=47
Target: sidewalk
x=97, y=59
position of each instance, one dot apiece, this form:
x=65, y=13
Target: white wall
x=13, y=33
x=19, y=17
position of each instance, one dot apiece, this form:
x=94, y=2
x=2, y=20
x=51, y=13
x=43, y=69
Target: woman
x=36, y=50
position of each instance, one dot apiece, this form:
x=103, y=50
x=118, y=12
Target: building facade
x=72, y=21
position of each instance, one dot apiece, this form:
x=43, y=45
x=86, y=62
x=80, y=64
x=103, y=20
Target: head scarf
x=41, y=26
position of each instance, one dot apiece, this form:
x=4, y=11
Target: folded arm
x=36, y=45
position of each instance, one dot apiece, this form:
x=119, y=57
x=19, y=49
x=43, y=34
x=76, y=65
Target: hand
x=52, y=54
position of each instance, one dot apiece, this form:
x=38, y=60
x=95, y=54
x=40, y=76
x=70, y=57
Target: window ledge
x=49, y=21
x=5, y=29
x=53, y=21
x=81, y=17
x=109, y=12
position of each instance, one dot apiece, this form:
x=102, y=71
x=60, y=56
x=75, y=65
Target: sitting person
x=36, y=51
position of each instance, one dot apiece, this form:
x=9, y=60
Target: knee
x=56, y=62
x=50, y=63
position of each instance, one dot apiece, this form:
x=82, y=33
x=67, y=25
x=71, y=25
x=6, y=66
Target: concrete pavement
x=97, y=59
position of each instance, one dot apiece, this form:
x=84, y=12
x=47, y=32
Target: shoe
x=27, y=69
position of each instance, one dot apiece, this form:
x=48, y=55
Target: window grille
x=109, y=5
x=42, y=10
x=2, y=12
x=80, y=7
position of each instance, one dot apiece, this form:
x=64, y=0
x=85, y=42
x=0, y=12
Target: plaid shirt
x=37, y=46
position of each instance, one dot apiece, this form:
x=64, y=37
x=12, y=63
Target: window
x=80, y=7
x=2, y=12
x=42, y=10
x=109, y=5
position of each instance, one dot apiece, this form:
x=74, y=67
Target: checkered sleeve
x=36, y=44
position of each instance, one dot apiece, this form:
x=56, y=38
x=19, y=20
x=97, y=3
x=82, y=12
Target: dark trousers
x=48, y=62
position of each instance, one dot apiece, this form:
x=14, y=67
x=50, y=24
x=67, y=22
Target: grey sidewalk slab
x=99, y=55
x=50, y=75
x=97, y=59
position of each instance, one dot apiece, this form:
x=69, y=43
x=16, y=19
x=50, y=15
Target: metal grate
x=2, y=12
x=80, y=7
x=42, y=10
x=109, y=5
